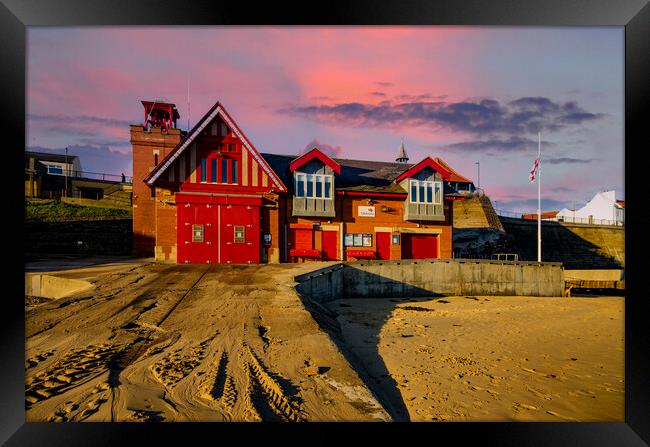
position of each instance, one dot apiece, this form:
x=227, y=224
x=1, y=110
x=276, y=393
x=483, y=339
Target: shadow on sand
x=372, y=370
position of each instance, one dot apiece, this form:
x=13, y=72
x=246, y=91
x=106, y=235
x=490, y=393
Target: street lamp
x=478, y=167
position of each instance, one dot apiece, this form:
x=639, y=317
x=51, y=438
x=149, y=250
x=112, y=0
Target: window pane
x=51, y=169
x=414, y=196
x=300, y=186
x=438, y=192
x=328, y=186
x=197, y=233
x=421, y=192
x=310, y=186
x=224, y=171
x=240, y=234
x=234, y=171
x=204, y=166
x=213, y=175
x=429, y=193
x=319, y=186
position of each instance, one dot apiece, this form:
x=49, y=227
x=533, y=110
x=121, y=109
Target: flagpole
x=539, y=198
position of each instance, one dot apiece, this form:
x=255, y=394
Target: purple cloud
x=327, y=149
x=486, y=117
x=566, y=160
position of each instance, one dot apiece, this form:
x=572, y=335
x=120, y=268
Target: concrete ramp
x=53, y=287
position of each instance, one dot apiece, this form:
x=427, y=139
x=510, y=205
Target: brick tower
x=151, y=142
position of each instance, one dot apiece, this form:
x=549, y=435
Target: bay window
x=313, y=186
x=422, y=191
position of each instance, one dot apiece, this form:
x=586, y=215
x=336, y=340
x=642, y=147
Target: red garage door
x=419, y=246
x=301, y=239
x=225, y=234
x=240, y=234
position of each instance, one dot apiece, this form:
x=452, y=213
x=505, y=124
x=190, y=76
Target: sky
x=465, y=94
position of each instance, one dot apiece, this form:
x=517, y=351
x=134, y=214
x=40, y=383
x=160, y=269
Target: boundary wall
x=430, y=277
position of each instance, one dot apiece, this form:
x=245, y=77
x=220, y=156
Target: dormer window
x=313, y=186
x=422, y=191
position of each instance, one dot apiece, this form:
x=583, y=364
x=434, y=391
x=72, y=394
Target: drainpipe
x=286, y=242
x=341, y=241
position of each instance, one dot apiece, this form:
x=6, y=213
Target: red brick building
x=208, y=195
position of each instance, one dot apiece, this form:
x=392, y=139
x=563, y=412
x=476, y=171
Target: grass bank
x=66, y=212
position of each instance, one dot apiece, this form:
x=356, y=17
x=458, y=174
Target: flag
x=533, y=170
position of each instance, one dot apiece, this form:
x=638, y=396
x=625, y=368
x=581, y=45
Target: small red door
x=330, y=239
x=419, y=246
x=383, y=245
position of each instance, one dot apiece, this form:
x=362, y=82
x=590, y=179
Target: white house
x=603, y=207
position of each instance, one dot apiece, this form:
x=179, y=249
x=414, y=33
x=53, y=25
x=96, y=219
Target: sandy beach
x=478, y=358
x=160, y=342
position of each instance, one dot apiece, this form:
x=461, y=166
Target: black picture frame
x=15, y=15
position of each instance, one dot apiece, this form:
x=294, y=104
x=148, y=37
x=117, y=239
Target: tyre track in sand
x=76, y=308
x=128, y=343
x=141, y=344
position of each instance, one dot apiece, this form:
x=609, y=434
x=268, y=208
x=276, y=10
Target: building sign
x=366, y=211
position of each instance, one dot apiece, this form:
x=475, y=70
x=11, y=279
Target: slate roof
x=356, y=175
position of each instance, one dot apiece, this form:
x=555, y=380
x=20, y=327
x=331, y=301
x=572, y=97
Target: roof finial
x=401, y=156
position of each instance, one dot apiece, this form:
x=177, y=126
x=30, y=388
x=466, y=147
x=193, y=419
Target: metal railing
x=100, y=176
x=590, y=221
x=508, y=213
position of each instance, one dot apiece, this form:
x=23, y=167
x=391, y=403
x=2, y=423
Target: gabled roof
x=315, y=153
x=216, y=110
x=454, y=175
x=427, y=162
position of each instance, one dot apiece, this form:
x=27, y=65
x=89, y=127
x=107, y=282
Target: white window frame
x=316, y=178
x=436, y=189
x=61, y=167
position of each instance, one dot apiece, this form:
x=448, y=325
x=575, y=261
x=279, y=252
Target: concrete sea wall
x=430, y=277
